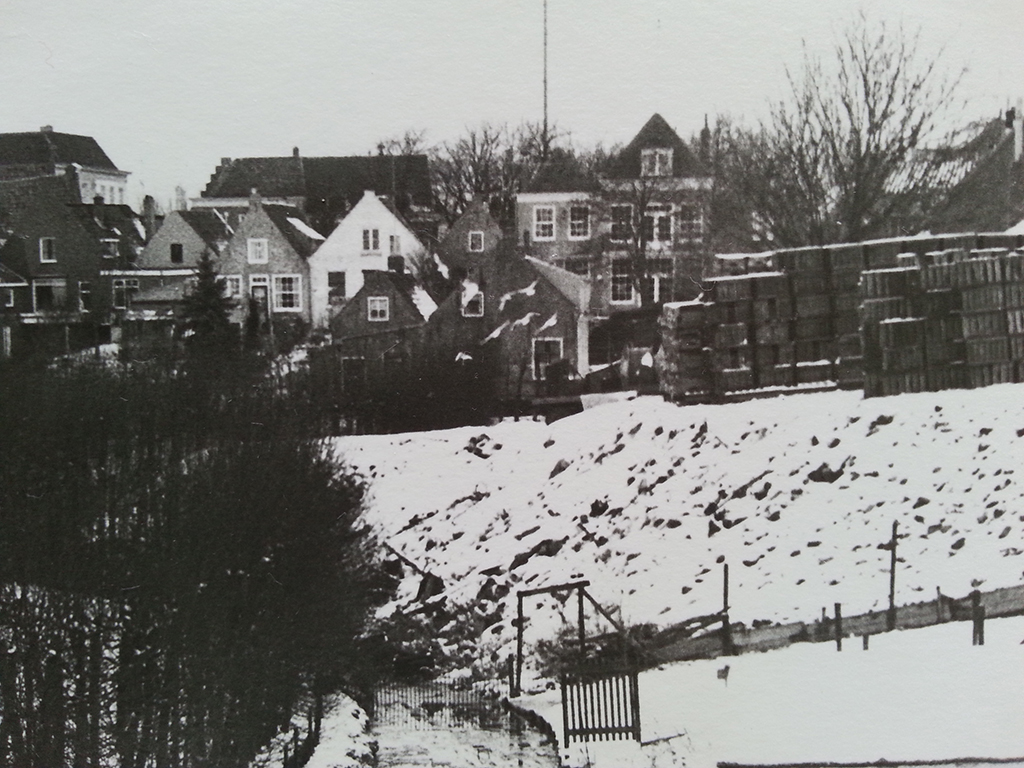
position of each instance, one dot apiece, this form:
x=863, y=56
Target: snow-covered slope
x=645, y=499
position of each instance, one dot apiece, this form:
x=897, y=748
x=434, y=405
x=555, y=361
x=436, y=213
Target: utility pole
x=544, y=141
x=891, y=617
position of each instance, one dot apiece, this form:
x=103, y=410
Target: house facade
x=372, y=237
x=636, y=231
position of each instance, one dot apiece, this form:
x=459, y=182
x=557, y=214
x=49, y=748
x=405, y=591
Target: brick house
x=645, y=213
x=49, y=153
x=521, y=314
x=372, y=237
x=59, y=247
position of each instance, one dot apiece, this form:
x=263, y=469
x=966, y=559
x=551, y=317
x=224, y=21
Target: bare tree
x=845, y=157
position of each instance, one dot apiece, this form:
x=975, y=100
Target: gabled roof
x=656, y=133
x=10, y=278
x=405, y=286
x=47, y=146
x=211, y=225
x=105, y=220
x=283, y=216
x=19, y=196
x=562, y=173
x=574, y=287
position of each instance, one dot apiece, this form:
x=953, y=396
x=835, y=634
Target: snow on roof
x=1016, y=229
x=305, y=229
x=425, y=305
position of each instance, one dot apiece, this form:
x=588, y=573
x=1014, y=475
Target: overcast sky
x=169, y=88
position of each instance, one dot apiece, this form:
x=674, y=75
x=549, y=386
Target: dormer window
x=656, y=162
x=109, y=247
x=476, y=241
x=47, y=250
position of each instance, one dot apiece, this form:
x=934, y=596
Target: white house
x=370, y=237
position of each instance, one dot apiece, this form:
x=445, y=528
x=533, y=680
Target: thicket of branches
x=180, y=567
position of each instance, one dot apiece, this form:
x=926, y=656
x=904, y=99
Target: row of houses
x=351, y=250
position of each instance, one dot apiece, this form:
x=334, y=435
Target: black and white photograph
x=537, y=383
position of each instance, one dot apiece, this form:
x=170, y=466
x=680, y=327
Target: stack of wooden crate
x=845, y=264
x=684, y=369
x=892, y=331
x=771, y=332
x=814, y=339
x=730, y=318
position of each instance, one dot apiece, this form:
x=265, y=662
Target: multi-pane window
x=691, y=223
x=47, y=250
x=288, y=293
x=657, y=224
x=545, y=352
x=396, y=245
x=258, y=250
x=543, y=222
x=232, y=286
x=123, y=290
x=378, y=309
x=656, y=162
x=371, y=240
x=474, y=305
x=336, y=284
x=579, y=222
x=108, y=247
x=48, y=294
x=622, y=281
x=84, y=295
x=177, y=253
x=476, y=241
x=622, y=222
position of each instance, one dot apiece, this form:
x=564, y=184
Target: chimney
x=97, y=199
x=1018, y=131
x=225, y=161
x=396, y=264
x=255, y=204
x=295, y=152
x=149, y=216
x=46, y=129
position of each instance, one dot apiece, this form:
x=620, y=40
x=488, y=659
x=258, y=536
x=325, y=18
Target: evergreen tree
x=207, y=311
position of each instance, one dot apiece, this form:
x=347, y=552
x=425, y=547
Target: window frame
x=277, y=293
x=47, y=250
x=574, y=233
x=538, y=223
x=108, y=252
x=177, y=249
x=253, y=254
x=660, y=216
x=84, y=295
x=656, y=162
x=616, y=282
x=125, y=285
x=371, y=240
x=332, y=290
x=476, y=301
x=230, y=282
x=8, y=298
x=539, y=370
x=475, y=233
x=691, y=228
x=627, y=235
x=378, y=309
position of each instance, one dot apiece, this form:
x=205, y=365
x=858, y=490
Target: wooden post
x=938, y=605
x=510, y=668
x=565, y=713
x=977, y=619
x=891, y=616
x=727, y=646
x=519, y=647
x=866, y=636
x=839, y=626
x=582, y=632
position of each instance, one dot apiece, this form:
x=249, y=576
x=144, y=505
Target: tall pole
x=544, y=144
x=891, y=618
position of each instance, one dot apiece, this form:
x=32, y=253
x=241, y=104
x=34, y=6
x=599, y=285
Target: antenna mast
x=544, y=138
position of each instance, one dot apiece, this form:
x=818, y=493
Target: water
x=428, y=726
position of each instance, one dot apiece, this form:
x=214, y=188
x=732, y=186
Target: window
x=476, y=241
x=396, y=245
x=378, y=309
x=622, y=222
x=177, y=253
x=579, y=222
x=543, y=222
x=656, y=162
x=336, y=285
x=371, y=239
x=622, y=281
x=9, y=297
x=47, y=250
x=108, y=247
x=288, y=293
x=657, y=224
x=123, y=290
x=691, y=224
x=258, y=250
x=474, y=305
x=232, y=286
x=545, y=352
x=259, y=287
x=84, y=295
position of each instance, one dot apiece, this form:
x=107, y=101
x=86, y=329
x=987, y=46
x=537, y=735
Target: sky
x=170, y=88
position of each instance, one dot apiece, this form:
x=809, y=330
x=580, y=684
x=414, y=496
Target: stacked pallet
x=814, y=338
x=730, y=319
x=685, y=373
x=893, y=331
x=845, y=264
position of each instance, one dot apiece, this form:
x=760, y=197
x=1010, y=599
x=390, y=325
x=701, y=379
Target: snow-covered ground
x=646, y=499
x=924, y=694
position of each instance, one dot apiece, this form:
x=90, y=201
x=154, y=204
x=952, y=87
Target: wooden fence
x=601, y=706
x=428, y=705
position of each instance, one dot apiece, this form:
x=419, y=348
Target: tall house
x=48, y=153
x=636, y=229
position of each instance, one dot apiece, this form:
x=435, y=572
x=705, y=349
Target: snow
x=1016, y=229
x=304, y=228
x=425, y=305
x=924, y=694
x=345, y=741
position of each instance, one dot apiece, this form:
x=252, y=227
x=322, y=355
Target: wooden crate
x=846, y=258
x=941, y=302
x=812, y=350
x=808, y=259
x=774, y=376
x=846, y=281
x=940, y=352
x=881, y=254
x=769, y=355
x=849, y=345
x=903, y=331
x=1015, y=321
x=731, y=358
x=983, y=324
x=876, y=310
x=979, y=298
x=722, y=289
x=812, y=328
x=1013, y=268
x=845, y=322
x=771, y=310
x=1013, y=295
x=726, y=312
x=1017, y=347
x=770, y=285
x=813, y=306
x=903, y=359
x=885, y=283
x=684, y=315
x=938, y=276
x=974, y=272
x=814, y=372
x=850, y=370
x=772, y=333
x=992, y=350
x=731, y=335
x=735, y=380
x=946, y=377
x=987, y=374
